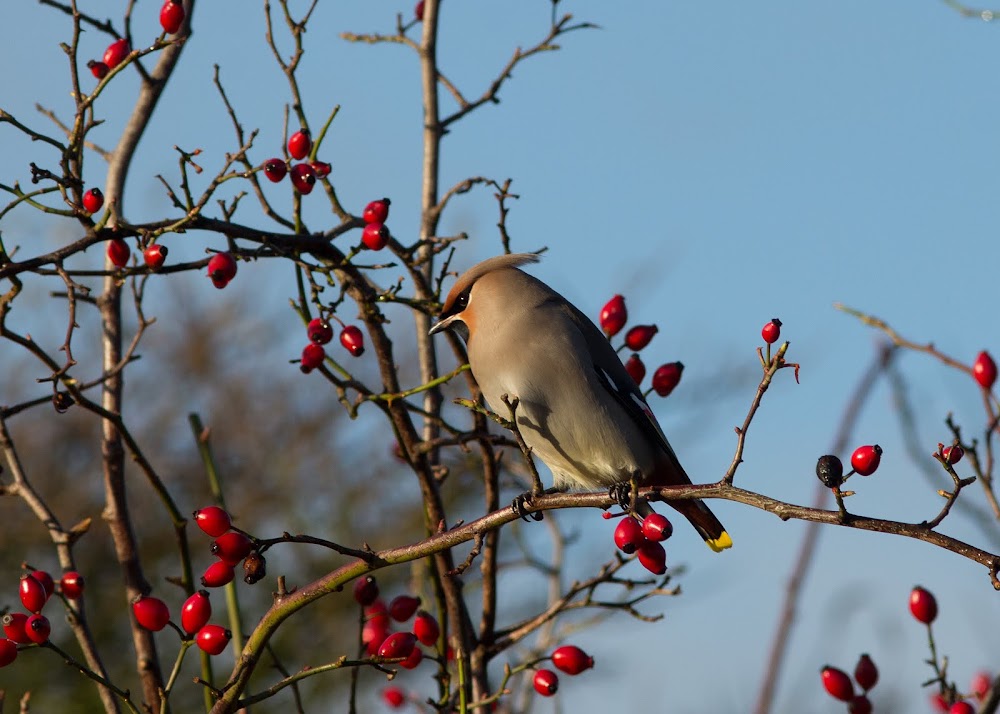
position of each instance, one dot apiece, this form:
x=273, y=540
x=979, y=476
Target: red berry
x=365, y=590
x=195, y=612
x=938, y=702
x=865, y=459
x=954, y=454
x=923, y=605
x=373, y=634
x=418, y=11
x=639, y=336
x=38, y=629
x=312, y=357
x=375, y=236
x=771, y=331
x=221, y=268
x=394, y=697
x=93, y=200
x=376, y=211
x=614, y=316
x=837, y=684
x=319, y=331
x=628, y=535
x=231, y=547
x=426, y=628
x=212, y=520
x=8, y=652
x=321, y=168
x=46, y=580
x=962, y=708
x=299, y=145
x=155, y=255
x=653, y=557
x=33, y=595
x=546, y=682
x=415, y=658
x=635, y=368
x=118, y=252
x=117, y=51
x=830, y=471
x=172, y=16
x=303, y=178
x=398, y=644
x=402, y=607
x=859, y=705
x=984, y=369
x=151, y=613
x=213, y=639
x=667, y=377
x=865, y=672
x=218, y=574
x=98, y=69
x=656, y=527
x=352, y=340
x=275, y=169
x=981, y=684
x=13, y=627
x=571, y=659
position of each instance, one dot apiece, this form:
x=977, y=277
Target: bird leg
x=625, y=493
x=522, y=502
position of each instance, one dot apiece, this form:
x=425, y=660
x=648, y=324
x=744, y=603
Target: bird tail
x=705, y=522
x=701, y=517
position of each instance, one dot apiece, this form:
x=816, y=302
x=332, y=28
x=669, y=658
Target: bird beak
x=442, y=325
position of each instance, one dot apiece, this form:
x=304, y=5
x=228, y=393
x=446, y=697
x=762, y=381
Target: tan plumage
x=579, y=410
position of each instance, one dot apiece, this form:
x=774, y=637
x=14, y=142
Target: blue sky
x=720, y=164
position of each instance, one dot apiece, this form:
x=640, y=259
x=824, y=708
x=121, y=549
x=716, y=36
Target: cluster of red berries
x=864, y=461
x=839, y=686
x=979, y=690
x=645, y=539
x=114, y=55
x=984, y=370
x=171, y=19
x=569, y=659
x=613, y=317
x=35, y=589
x=320, y=332
x=377, y=634
x=153, y=614
x=303, y=175
x=154, y=256
x=375, y=234
x=230, y=547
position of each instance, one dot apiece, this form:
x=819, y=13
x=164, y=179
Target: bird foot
x=526, y=499
x=621, y=493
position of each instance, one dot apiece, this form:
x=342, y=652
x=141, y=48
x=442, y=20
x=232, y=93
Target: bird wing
x=613, y=376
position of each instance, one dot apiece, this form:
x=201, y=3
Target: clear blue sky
x=720, y=164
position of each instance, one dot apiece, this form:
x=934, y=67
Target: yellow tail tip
x=721, y=543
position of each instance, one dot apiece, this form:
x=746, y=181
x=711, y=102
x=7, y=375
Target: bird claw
x=621, y=493
x=521, y=503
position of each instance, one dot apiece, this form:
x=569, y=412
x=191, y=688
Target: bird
x=578, y=409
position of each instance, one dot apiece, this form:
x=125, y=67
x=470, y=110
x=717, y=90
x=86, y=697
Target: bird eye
x=462, y=301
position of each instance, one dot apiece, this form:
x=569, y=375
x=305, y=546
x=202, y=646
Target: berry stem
x=185, y=645
x=770, y=369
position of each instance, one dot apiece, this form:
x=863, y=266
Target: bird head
x=459, y=309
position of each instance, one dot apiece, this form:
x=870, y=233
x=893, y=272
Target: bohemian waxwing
x=579, y=410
